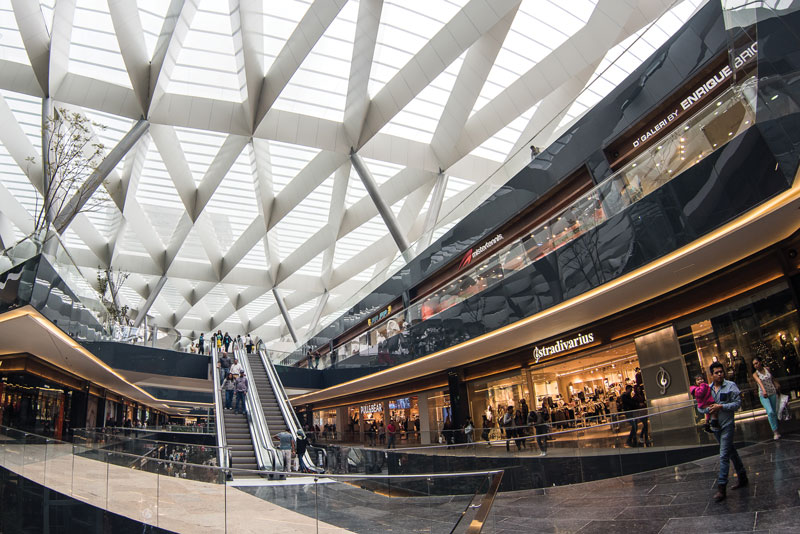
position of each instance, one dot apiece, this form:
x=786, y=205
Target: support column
x=383, y=208
x=459, y=400
x=78, y=201
x=284, y=312
x=424, y=418
x=437, y=197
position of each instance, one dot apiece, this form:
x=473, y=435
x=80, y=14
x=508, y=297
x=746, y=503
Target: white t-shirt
x=236, y=369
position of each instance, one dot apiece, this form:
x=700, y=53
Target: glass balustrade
x=708, y=130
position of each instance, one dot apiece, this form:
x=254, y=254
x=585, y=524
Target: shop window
x=764, y=324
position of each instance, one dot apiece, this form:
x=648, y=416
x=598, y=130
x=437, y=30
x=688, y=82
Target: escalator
x=269, y=402
x=244, y=438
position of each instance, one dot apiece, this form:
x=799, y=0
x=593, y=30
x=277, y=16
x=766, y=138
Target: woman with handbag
x=768, y=389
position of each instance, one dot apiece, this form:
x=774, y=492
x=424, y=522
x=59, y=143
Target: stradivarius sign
x=562, y=346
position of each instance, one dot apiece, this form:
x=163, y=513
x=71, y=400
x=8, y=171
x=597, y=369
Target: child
x=702, y=392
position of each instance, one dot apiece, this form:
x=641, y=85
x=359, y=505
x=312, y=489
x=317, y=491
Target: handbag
x=783, y=408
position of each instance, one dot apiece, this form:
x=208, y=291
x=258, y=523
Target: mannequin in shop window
x=789, y=357
x=739, y=369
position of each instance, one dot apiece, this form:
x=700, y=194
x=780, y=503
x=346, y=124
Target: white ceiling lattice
x=243, y=182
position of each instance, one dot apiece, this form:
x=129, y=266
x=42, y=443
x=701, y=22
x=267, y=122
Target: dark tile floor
x=675, y=499
x=671, y=500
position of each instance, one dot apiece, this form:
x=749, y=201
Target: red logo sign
x=466, y=260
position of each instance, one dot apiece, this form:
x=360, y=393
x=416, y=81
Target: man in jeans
x=224, y=367
x=241, y=390
x=727, y=400
x=629, y=405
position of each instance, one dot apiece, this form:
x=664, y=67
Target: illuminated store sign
x=381, y=315
x=747, y=55
x=472, y=254
x=562, y=346
x=375, y=407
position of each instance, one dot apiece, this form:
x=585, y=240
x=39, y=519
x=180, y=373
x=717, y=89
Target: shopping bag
x=783, y=408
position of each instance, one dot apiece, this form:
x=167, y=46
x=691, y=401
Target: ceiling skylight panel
x=304, y=220
x=109, y=129
x=319, y=87
x=231, y=215
x=624, y=58
x=192, y=249
x=279, y=21
x=420, y=117
x=313, y=267
x=94, y=50
x=405, y=27
x=28, y=112
x=354, y=243
x=155, y=185
x=130, y=244
x=538, y=28
x=170, y=296
x=206, y=65
x=300, y=309
x=105, y=218
x=151, y=15
x=48, y=8
x=255, y=258
x=498, y=147
x=11, y=46
x=215, y=300
x=199, y=148
x=15, y=181
x=286, y=161
x=259, y=305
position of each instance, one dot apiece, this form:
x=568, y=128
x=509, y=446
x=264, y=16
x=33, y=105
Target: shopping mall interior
x=457, y=266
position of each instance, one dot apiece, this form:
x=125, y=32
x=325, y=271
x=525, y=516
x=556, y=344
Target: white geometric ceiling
x=243, y=182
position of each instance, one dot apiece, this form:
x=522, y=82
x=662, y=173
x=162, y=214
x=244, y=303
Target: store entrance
x=585, y=388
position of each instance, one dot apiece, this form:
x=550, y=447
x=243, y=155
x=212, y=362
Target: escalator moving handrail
x=282, y=399
x=259, y=430
x=219, y=415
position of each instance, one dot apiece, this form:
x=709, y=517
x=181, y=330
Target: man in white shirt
x=236, y=369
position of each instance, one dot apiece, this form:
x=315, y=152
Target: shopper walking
x=629, y=406
x=241, y=391
x=727, y=399
x=507, y=422
x=229, y=386
x=200, y=343
x=768, y=389
x=300, y=446
x=226, y=340
x=286, y=447
x=391, y=434
x=248, y=343
x=540, y=418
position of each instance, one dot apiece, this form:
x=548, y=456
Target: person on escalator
x=229, y=386
x=236, y=369
x=286, y=447
x=226, y=340
x=300, y=445
x=224, y=366
x=241, y=391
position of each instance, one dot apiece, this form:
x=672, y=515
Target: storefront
x=491, y=396
x=405, y=413
x=764, y=323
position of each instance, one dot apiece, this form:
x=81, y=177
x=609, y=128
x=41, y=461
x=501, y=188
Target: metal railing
x=259, y=430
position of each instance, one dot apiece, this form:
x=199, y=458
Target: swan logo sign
x=562, y=346
x=474, y=253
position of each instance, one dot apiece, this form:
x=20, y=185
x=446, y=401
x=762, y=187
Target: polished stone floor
x=670, y=500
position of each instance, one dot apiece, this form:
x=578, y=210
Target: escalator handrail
x=259, y=430
x=222, y=454
x=282, y=399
